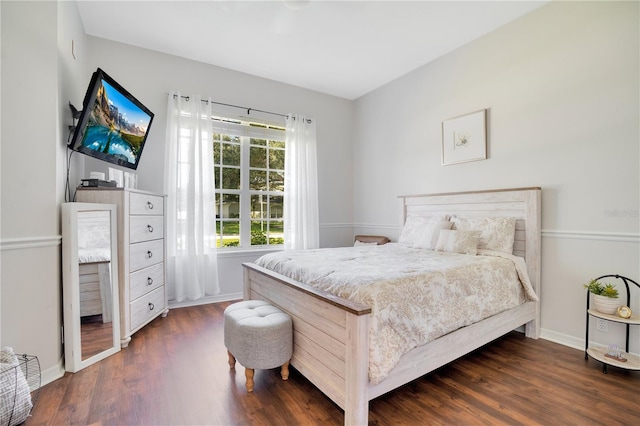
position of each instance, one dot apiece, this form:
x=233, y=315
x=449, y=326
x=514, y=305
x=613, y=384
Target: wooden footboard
x=330, y=337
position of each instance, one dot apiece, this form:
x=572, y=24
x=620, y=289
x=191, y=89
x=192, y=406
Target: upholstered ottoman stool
x=258, y=335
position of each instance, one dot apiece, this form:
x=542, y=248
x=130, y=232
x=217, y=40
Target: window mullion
x=245, y=198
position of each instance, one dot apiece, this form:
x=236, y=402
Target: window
x=249, y=178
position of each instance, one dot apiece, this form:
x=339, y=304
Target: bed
x=331, y=333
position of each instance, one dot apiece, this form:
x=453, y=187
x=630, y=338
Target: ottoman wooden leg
x=232, y=360
x=248, y=372
x=284, y=371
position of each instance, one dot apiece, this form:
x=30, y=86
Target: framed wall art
x=464, y=138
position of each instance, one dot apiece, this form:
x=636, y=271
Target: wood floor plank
x=175, y=372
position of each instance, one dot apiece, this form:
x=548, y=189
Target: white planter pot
x=606, y=305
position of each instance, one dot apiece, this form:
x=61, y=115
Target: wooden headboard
x=521, y=203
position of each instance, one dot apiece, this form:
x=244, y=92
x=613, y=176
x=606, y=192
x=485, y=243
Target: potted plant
x=605, y=296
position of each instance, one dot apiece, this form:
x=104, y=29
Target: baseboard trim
x=562, y=339
x=566, y=340
x=52, y=374
x=205, y=300
x=233, y=252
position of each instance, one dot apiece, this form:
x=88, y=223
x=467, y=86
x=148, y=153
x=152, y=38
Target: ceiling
x=341, y=48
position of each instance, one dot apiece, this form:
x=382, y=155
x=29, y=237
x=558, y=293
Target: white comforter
x=415, y=295
x=91, y=255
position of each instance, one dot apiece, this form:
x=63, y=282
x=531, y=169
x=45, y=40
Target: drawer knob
x=150, y=228
x=149, y=254
x=149, y=205
x=151, y=306
x=149, y=280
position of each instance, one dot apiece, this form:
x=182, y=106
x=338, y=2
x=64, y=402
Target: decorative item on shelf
x=117, y=176
x=605, y=297
x=614, y=352
x=624, y=311
x=605, y=304
x=618, y=357
x=130, y=180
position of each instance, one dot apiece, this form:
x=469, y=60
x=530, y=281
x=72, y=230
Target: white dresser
x=141, y=254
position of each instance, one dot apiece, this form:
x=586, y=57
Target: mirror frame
x=71, y=285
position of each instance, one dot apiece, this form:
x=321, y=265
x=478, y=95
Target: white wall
x=150, y=75
x=72, y=77
x=34, y=119
x=561, y=88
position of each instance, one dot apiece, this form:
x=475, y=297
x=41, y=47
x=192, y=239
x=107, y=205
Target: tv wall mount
x=75, y=114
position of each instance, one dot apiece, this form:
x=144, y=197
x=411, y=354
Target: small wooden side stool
x=370, y=239
x=258, y=335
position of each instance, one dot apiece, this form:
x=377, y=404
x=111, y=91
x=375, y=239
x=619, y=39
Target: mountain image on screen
x=110, y=129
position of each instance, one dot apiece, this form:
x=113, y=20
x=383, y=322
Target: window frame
x=247, y=131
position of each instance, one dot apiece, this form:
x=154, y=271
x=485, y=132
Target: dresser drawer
x=146, y=204
x=145, y=280
x=142, y=255
x=147, y=307
x=145, y=228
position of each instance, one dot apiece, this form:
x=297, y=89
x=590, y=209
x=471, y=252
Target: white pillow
x=413, y=228
x=464, y=242
x=429, y=236
x=498, y=233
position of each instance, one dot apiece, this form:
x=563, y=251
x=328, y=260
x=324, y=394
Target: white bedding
x=92, y=255
x=415, y=295
x=94, y=237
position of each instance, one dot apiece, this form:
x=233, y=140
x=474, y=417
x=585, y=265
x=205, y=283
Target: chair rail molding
x=378, y=226
x=629, y=237
x=626, y=237
x=30, y=242
x=335, y=225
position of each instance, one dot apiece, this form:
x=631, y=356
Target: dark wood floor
x=95, y=336
x=175, y=372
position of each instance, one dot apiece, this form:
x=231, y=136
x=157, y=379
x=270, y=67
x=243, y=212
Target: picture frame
x=117, y=176
x=464, y=138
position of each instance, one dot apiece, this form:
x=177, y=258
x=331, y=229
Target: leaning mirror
x=90, y=284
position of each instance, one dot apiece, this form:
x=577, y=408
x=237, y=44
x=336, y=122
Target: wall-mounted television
x=113, y=125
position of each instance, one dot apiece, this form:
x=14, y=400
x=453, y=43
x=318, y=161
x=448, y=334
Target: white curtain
x=192, y=270
x=301, y=223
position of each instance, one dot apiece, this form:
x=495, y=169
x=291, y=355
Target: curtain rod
x=236, y=106
x=241, y=107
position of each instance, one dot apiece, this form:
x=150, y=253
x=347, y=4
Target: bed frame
x=95, y=289
x=331, y=341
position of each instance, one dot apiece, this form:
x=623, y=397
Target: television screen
x=113, y=125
